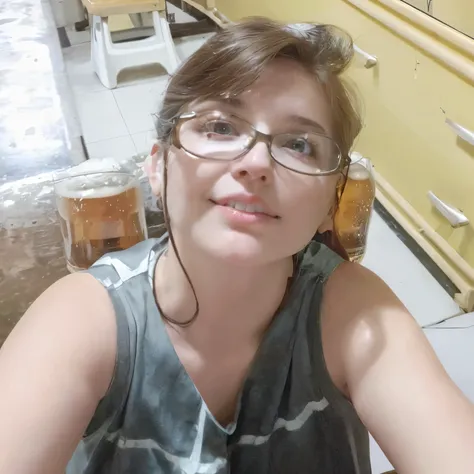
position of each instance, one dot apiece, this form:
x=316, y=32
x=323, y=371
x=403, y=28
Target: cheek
x=189, y=182
x=311, y=203
x=314, y=195
x=178, y=190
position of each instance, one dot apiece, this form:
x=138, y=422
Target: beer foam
x=100, y=165
x=94, y=185
x=358, y=172
x=355, y=156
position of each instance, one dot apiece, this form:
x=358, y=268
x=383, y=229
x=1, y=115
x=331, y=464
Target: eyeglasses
x=215, y=135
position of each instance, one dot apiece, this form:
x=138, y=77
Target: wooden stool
x=108, y=59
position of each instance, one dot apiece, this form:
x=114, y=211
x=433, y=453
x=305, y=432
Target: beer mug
x=355, y=207
x=100, y=207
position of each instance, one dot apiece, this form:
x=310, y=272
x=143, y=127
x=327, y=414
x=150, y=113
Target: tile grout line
x=125, y=122
x=87, y=142
x=120, y=112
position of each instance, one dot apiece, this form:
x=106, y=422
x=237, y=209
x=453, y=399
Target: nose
x=255, y=165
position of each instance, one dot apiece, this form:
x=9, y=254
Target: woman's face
x=202, y=195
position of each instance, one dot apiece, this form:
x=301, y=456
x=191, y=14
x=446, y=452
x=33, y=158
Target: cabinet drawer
x=405, y=131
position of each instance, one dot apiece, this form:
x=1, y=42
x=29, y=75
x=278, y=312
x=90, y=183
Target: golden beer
x=99, y=213
x=355, y=209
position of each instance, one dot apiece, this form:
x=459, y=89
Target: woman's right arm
x=55, y=367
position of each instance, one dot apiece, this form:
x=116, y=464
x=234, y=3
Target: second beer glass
x=355, y=208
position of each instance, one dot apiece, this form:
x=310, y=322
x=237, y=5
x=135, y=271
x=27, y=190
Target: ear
x=154, y=169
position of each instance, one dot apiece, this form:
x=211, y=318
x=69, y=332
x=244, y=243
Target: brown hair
x=231, y=60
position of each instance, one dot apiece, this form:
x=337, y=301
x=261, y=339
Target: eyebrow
x=295, y=119
x=230, y=102
x=306, y=122
x=233, y=102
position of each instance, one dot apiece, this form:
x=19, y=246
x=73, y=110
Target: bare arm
x=54, y=368
x=380, y=358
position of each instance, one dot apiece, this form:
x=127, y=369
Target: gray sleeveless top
x=291, y=419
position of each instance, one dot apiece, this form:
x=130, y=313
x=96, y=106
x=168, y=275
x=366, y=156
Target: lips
x=248, y=207
x=240, y=206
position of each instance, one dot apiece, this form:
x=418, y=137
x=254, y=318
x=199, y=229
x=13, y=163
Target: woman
x=240, y=344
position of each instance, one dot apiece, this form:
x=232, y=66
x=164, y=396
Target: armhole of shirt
x=111, y=404
x=328, y=262
x=357, y=434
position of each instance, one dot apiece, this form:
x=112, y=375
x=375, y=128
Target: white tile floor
x=112, y=118
x=406, y=276
x=119, y=123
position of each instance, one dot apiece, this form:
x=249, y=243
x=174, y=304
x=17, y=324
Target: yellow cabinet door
x=406, y=134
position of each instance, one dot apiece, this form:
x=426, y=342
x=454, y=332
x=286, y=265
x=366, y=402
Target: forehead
x=285, y=93
x=284, y=80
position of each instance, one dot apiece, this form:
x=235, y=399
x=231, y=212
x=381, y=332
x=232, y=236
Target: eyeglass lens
x=219, y=136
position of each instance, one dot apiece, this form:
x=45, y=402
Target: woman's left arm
x=379, y=357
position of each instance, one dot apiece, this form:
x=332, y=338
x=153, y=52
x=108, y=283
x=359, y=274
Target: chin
x=236, y=248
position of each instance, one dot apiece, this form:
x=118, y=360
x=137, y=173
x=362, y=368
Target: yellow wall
x=457, y=13
x=405, y=134
x=420, y=4
x=277, y=9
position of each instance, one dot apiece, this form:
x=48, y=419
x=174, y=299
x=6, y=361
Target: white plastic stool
x=109, y=58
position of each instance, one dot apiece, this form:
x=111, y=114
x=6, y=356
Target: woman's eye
x=220, y=128
x=300, y=145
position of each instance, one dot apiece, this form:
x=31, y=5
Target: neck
x=233, y=299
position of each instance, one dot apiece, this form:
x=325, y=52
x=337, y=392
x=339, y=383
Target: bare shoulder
x=359, y=286
x=378, y=356
x=74, y=311
x=359, y=314
x=55, y=367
